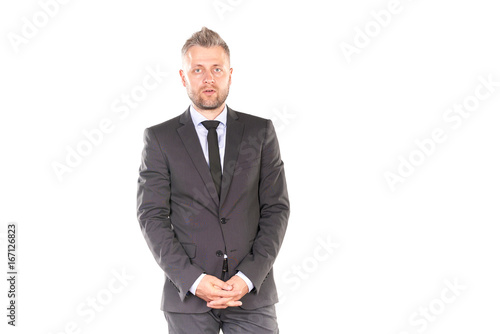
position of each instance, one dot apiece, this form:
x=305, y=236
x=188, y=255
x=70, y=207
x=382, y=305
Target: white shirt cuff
x=195, y=284
x=247, y=281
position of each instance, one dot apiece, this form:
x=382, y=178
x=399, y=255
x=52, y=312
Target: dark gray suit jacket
x=188, y=228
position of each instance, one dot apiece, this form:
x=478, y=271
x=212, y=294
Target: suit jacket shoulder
x=248, y=118
x=170, y=124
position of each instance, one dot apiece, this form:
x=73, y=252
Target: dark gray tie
x=213, y=153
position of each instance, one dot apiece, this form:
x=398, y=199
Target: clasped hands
x=219, y=294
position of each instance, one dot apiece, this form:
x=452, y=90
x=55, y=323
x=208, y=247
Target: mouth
x=209, y=91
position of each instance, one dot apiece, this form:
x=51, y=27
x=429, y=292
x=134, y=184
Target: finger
x=235, y=285
x=223, y=286
x=223, y=303
x=235, y=304
x=219, y=303
x=220, y=284
x=222, y=307
x=224, y=294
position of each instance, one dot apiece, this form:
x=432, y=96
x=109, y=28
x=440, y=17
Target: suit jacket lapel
x=234, y=134
x=191, y=142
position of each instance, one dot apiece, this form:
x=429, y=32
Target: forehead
x=198, y=55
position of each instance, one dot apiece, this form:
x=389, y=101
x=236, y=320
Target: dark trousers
x=232, y=320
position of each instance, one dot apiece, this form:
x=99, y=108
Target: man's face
x=207, y=76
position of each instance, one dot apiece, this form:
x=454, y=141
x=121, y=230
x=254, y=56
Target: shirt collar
x=198, y=118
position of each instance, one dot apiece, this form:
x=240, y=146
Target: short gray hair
x=206, y=38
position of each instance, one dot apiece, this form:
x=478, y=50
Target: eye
x=197, y=70
x=218, y=70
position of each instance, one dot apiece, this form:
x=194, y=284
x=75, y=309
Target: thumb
x=222, y=285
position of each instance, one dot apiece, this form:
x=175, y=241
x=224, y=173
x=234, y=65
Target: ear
x=183, y=77
x=230, y=73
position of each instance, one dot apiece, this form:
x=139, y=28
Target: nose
x=209, y=78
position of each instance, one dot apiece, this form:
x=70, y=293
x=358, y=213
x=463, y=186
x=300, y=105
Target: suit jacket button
x=219, y=253
x=223, y=220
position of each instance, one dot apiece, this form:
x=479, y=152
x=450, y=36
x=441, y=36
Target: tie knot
x=210, y=124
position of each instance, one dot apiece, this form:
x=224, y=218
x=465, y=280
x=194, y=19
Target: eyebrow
x=209, y=65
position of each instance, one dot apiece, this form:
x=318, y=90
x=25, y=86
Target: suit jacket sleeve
x=274, y=212
x=153, y=209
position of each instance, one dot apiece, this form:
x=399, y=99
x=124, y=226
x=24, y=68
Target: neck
x=210, y=114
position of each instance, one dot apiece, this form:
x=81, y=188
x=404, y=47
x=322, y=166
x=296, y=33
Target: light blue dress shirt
x=202, y=132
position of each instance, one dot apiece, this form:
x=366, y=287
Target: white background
x=342, y=125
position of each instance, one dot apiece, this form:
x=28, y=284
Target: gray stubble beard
x=198, y=101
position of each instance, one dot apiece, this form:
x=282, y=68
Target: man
x=213, y=203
